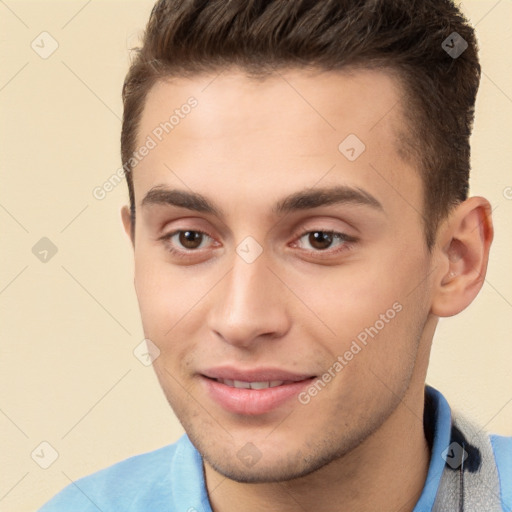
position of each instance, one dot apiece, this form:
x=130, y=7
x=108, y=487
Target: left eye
x=321, y=240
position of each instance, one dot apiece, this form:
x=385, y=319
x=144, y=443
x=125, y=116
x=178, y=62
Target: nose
x=249, y=305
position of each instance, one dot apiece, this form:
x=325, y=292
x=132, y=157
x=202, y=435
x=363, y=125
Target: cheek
x=164, y=294
x=387, y=340
x=377, y=307
x=153, y=297
x=349, y=300
x=371, y=366
x=170, y=308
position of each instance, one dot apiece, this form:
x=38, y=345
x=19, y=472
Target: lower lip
x=253, y=401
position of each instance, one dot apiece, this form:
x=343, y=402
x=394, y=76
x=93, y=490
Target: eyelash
x=348, y=242
x=181, y=253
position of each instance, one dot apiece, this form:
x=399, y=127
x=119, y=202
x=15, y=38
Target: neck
x=385, y=472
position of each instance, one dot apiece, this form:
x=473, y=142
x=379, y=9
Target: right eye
x=188, y=239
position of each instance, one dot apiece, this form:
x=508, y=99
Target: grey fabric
x=470, y=484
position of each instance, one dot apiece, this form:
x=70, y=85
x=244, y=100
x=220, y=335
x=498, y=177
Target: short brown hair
x=187, y=37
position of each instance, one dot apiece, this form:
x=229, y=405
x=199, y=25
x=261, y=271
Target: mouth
x=253, y=392
x=240, y=384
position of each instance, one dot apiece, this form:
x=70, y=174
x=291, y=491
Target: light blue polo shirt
x=171, y=478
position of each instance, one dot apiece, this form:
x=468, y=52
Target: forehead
x=287, y=129
x=354, y=99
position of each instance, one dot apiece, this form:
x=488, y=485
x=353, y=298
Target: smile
x=240, y=384
x=255, y=392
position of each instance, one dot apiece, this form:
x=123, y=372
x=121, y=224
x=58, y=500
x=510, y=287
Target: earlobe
x=127, y=222
x=464, y=242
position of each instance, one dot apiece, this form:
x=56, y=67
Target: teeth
x=260, y=385
x=251, y=385
x=241, y=384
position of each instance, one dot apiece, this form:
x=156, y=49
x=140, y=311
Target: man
x=298, y=179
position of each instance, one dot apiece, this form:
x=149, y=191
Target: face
x=280, y=267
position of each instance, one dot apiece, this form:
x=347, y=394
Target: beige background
x=70, y=325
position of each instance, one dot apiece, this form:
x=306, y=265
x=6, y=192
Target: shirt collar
x=438, y=418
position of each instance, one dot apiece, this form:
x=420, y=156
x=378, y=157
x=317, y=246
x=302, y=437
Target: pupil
x=320, y=239
x=190, y=239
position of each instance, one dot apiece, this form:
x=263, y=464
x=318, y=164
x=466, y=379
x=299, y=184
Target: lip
x=253, y=374
x=252, y=402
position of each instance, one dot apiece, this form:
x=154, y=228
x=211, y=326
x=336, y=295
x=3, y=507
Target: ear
x=463, y=244
x=127, y=223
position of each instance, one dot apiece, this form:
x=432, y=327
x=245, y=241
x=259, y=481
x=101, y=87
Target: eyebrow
x=161, y=195
x=302, y=200
x=314, y=198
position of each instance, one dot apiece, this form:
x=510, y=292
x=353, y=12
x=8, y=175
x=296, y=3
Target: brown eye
x=189, y=246
x=190, y=239
x=325, y=240
x=320, y=239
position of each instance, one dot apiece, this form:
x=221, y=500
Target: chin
x=264, y=472
x=274, y=462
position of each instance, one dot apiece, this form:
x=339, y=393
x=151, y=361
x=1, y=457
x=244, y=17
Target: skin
x=247, y=145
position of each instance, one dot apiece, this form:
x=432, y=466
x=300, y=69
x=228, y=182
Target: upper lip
x=253, y=374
